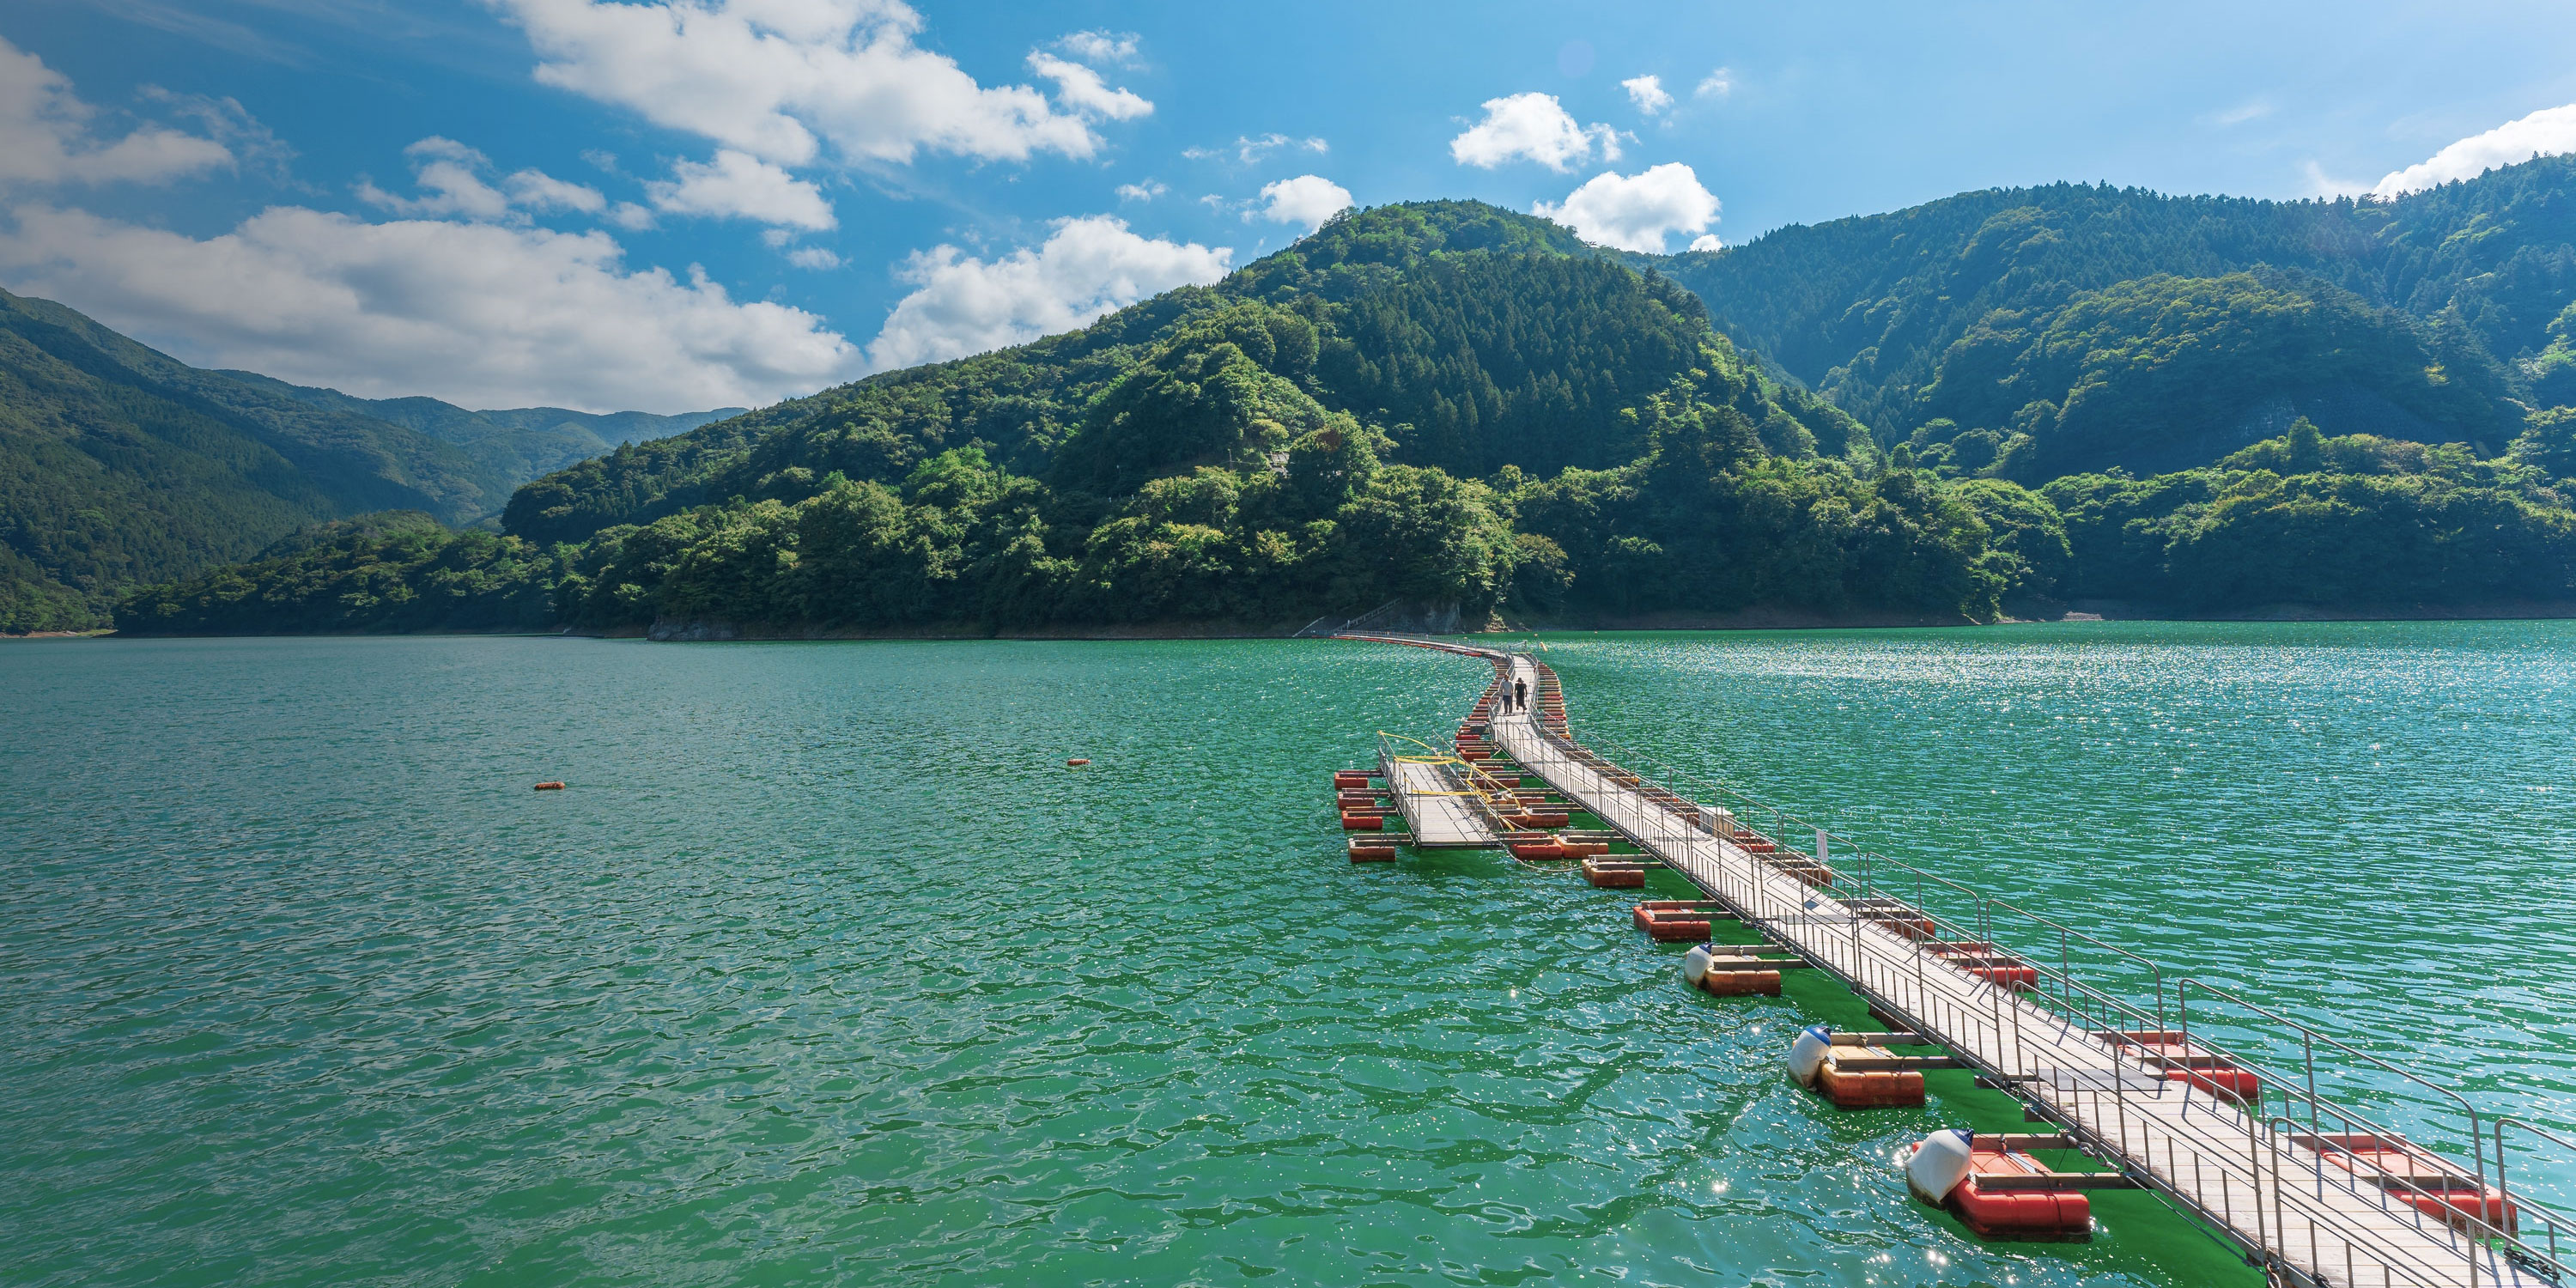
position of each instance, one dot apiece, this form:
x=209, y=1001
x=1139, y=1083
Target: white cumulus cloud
x=1116, y=48
x=1636, y=213
x=1707, y=241
x=481, y=314
x=450, y=175
x=537, y=190
x=2547, y=132
x=1249, y=149
x=1308, y=199
x=738, y=185
x=2318, y=183
x=1083, y=89
x=1717, y=84
x=1535, y=127
x=1648, y=93
x=779, y=79
x=1088, y=266
x=47, y=135
x=1146, y=191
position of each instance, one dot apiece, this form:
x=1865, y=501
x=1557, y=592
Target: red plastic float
x=1741, y=983
x=1990, y=963
x=2190, y=1064
x=1869, y=1088
x=2418, y=1178
x=2019, y=1214
x=1610, y=875
x=1672, y=921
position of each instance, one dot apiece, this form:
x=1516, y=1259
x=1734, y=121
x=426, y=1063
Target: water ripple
x=827, y=968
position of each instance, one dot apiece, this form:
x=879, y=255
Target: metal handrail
x=1664, y=820
x=2309, y=1037
x=2155, y=972
x=2550, y=1220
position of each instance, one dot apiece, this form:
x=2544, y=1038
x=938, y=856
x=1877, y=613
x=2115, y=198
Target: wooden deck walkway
x=1437, y=807
x=2294, y=1202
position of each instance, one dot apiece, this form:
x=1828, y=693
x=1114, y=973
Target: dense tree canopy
x=122, y=466
x=2069, y=393
x=1864, y=309
x=2170, y=372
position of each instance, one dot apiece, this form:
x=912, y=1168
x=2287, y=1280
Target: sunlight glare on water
x=827, y=966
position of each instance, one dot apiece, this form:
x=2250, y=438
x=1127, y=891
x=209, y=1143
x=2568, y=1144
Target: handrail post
x=1780, y=907
x=2308, y=1053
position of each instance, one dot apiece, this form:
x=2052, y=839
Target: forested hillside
x=121, y=466
x=1439, y=403
x=2025, y=399
x=2464, y=281
x=520, y=443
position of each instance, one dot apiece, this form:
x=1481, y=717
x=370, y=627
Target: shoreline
x=2075, y=612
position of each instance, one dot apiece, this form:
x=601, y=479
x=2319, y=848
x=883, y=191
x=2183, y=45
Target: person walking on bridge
x=1520, y=694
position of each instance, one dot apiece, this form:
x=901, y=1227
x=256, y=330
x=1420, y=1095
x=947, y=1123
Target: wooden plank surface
x=1440, y=816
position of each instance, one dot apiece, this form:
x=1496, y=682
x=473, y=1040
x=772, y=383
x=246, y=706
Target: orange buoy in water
x=1078, y=760
x=550, y=787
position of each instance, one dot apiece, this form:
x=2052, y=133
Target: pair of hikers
x=1520, y=696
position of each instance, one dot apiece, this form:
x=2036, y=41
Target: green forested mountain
x=2355, y=521
x=2165, y=373
x=2023, y=398
x=395, y=570
x=1439, y=402
x=520, y=443
x=121, y=466
x=1871, y=311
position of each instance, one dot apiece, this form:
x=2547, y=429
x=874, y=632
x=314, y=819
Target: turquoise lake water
x=826, y=968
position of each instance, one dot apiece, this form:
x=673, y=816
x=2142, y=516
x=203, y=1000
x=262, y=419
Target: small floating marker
x=1940, y=1161
x=1807, y=1053
x=550, y=787
x=1076, y=761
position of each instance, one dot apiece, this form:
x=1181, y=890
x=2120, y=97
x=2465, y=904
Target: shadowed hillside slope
x=121, y=466
x=2201, y=406
x=2468, y=277
x=1363, y=417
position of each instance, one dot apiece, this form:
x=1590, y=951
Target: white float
x=1939, y=1163
x=1695, y=965
x=1807, y=1054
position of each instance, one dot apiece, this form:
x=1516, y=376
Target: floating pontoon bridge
x=2309, y=1189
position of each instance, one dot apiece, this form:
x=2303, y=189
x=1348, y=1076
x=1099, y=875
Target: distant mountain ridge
x=1874, y=311
x=524, y=442
x=2022, y=397
x=122, y=466
x=1352, y=420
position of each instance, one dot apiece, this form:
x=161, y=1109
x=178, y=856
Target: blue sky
x=689, y=203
